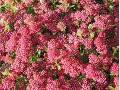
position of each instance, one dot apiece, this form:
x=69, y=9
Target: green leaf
x=21, y=77
x=12, y=54
x=79, y=33
x=1, y=62
x=57, y=65
x=94, y=88
x=92, y=34
x=6, y=72
x=19, y=0
x=30, y=10
x=92, y=81
x=110, y=2
x=55, y=76
x=111, y=88
x=76, y=23
x=44, y=29
x=54, y=3
x=100, y=1
x=112, y=75
x=81, y=76
x=62, y=14
x=36, y=55
x=13, y=9
x=82, y=49
x=33, y=58
x=3, y=8
x=74, y=6
x=67, y=29
x=101, y=68
x=11, y=25
x=67, y=76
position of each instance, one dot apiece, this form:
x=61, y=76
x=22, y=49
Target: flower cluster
x=59, y=44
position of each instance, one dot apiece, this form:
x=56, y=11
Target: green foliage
x=22, y=77
x=101, y=68
x=81, y=76
x=111, y=88
x=1, y=62
x=74, y=6
x=110, y=2
x=76, y=23
x=3, y=8
x=84, y=53
x=62, y=14
x=44, y=29
x=19, y=1
x=12, y=54
x=94, y=88
x=57, y=64
x=36, y=55
x=9, y=5
x=30, y=10
x=54, y=3
x=55, y=76
x=92, y=35
x=79, y=33
x=100, y=1
x=82, y=49
x=67, y=76
x=11, y=25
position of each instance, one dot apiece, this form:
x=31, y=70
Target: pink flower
x=116, y=82
x=88, y=43
x=18, y=66
x=115, y=69
x=8, y=83
x=93, y=59
x=12, y=42
x=97, y=76
x=52, y=84
x=52, y=50
x=71, y=66
x=86, y=84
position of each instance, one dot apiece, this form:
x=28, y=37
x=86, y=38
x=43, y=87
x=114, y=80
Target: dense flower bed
x=59, y=44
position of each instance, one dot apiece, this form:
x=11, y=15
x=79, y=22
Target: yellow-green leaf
x=111, y=88
x=6, y=72
x=79, y=33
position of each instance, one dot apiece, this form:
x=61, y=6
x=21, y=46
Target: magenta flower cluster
x=59, y=44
